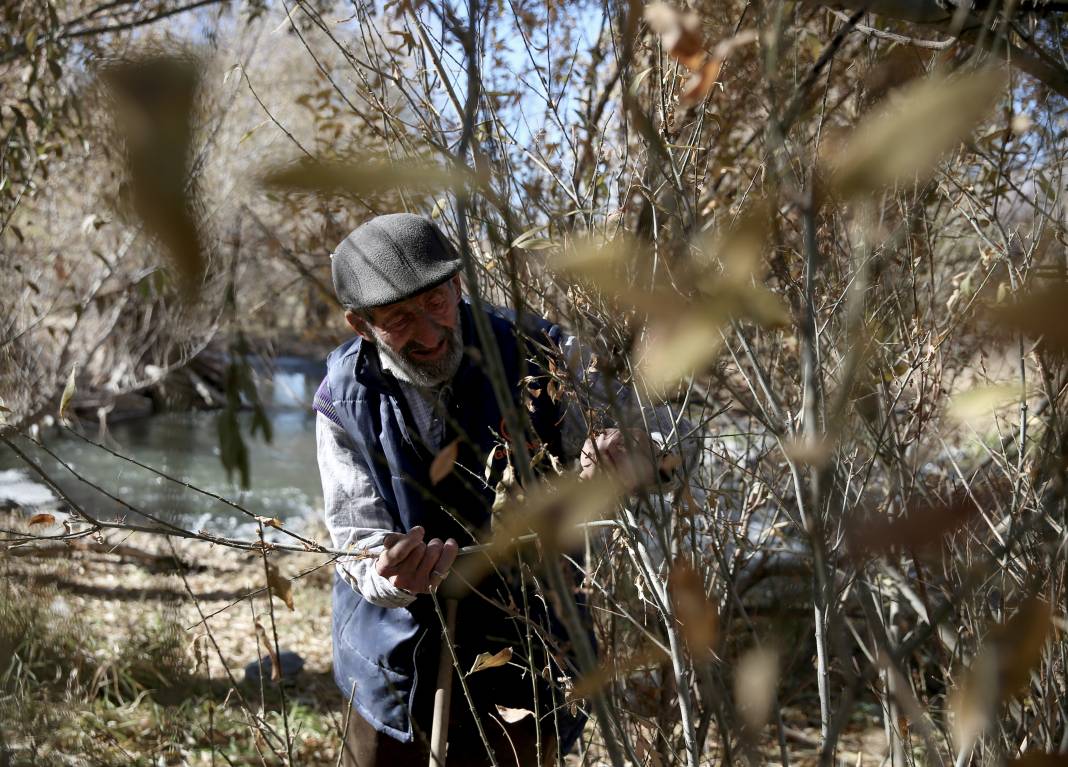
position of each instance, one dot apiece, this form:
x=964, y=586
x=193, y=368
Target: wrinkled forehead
x=410, y=305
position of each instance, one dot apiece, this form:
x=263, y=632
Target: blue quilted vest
x=386, y=654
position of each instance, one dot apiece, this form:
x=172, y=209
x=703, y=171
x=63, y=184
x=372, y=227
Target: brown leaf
x=42, y=519
x=698, y=616
x=444, y=461
x=1001, y=668
x=590, y=684
x=279, y=585
x=274, y=522
x=513, y=715
x=1039, y=759
x=155, y=98
x=1037, y=313
x=485, y=660
x=699, y=86
x=918, y=528
x=680, y=33
x=367, y=176
x=700, y=83
x=276, y=666
x=676, y=347
x=1020, y=644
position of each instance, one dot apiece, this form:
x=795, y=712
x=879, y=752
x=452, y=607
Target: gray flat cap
x=391, y=258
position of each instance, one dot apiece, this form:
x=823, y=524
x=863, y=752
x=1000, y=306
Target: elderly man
x=409, y=384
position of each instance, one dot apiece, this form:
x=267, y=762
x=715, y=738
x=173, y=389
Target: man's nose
x=427, y=333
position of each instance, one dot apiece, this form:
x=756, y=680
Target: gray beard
x=427, y=374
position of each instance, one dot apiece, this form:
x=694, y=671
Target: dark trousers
x=366, y=747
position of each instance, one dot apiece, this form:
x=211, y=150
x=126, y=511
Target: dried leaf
x=976, y=405
x=698, y=616
x=755, y=678
x=615, y=265
x=592, y=683
x=274, y=522
x=918, y=528
x=276, y=666
x=924, y=120
x=1037, y=313
x=1000, y=669
x=673, y=350
x=485, y=660
x=280, y=585
x=680, y=33
x=444, y=461
x=552, y=511
x=367, y=177
x=513, y=715
x=42, y=519
x=700, y=84
x=155, y=98
x=68, y=392
x=1039, y=759
x=813, y=450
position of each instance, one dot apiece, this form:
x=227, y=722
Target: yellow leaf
x=68, y=392
x=976, y=404
x=279, y=585
x=274, y=522
x=485, y=660
x=42, y=519
x=673, y=350
x=444, y=461
x=924, y=120
x=551, y=511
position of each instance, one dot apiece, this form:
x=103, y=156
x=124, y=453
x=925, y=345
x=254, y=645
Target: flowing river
x=284, y=477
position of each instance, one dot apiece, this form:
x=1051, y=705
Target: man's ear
x=359, y=326
x=457, y=286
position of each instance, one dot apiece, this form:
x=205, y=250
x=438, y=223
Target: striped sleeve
x=323, y=403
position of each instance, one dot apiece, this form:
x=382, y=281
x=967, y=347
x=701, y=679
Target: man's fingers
x=390, y=560
x=448, y=556
x=427, y=563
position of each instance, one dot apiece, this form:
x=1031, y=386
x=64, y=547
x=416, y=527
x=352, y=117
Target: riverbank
x=115, y=664
x=111, y=662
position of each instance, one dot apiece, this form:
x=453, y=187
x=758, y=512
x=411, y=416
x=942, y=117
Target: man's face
x=420, y=337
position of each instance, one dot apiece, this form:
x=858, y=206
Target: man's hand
x=609, y=451
x=413, y=565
